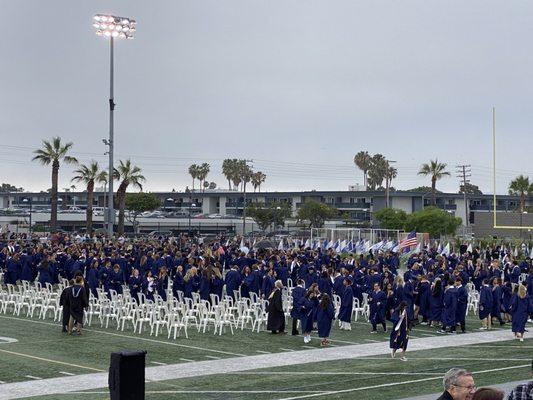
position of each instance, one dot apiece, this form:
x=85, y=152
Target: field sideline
x=41, y=351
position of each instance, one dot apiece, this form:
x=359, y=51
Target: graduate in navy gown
x=308, y=305
x=435, y=303
x=345, y=312
x=377, y=301
x=449, y=301
x=520, y=308
x=45, y=276
x=233, y=281
x=497, y=297
x=191, y=282
x=296, y=314
x=135, y=284
x=217, y=283
x=14, y=269
x=324, y=318
x=507, y=295
x=205, y=285
x=462, y=303
x=116, y=279
x=399, y=336
x=177, y=283
x=92, y=278
x=424, y=291
x=485, y=305
x=162, y=283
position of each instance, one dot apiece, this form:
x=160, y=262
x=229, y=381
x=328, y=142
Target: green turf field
x=42, y=351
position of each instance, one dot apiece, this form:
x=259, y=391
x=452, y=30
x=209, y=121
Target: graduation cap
x=348, y=279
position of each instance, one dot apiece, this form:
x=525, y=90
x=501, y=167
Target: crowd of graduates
x=433, y=290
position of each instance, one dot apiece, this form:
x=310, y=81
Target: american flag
x=409, y=241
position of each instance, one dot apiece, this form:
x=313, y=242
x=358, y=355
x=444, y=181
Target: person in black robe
x=77, y=299
x=63, y=302
x=276, y=317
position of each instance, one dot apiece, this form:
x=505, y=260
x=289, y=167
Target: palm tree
x=237, y=173
x=257, y=179
x=377, y=171
x=53, y=152
x=202, y=172
x=228, y=169
x=389, y=176
x=520, y=186
x=89, y=174
x=436, y=170
x=363, y=161
x=128, y=174
x=193, y=172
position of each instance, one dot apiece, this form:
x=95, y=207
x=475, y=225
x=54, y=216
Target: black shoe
x=295, y=333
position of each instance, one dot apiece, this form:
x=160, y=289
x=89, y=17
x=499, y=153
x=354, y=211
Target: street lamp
x=28, y=200
x=190, y=205
x=112, y=27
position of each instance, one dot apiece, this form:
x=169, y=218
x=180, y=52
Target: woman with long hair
x=191, y=282
x=205, y=283
x=520, y=308
x=399, y=336
x=177, y=283
x=217, y=282
x=162, y=283
x=135, y=284
x=308, y=305
x=325, y=315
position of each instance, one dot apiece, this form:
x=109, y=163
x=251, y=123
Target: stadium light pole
x=112, y=27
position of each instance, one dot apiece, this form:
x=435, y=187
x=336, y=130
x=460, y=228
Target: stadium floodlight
x=112, y=27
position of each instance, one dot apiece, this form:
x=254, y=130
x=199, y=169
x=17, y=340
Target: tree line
x=54, y=152
x=376, y=171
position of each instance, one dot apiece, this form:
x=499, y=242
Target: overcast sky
x=297, y=86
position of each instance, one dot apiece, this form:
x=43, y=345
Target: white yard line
x=506, y=347
x=263, y=352
x=186, y=359
x=214, y=391
x=66, y=373
x=331, y=373
x=49, y=360
x=308, y=347
x=157, y=363
x=281, y=348
x=256, y=362
x=396, y=384
x=33, y=377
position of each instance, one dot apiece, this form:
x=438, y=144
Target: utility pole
x=244, y=177
x=464, y=172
